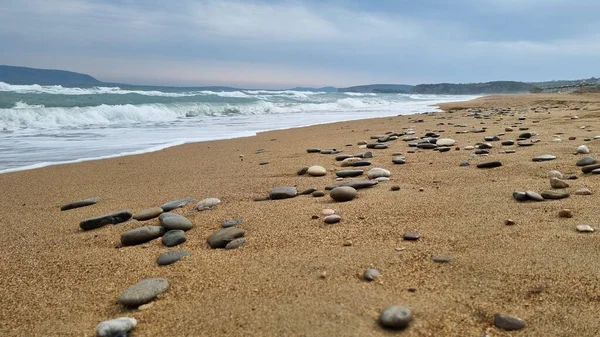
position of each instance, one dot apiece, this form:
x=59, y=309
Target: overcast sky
x=274, y=44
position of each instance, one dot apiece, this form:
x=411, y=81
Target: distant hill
x=497, y=87
x=379, y=88
x=23, y=75
x=322, y=89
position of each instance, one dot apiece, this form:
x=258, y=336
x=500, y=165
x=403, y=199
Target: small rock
x=207, y=204
x=172, y=256
x=508, y=323
x=356, y=184
x=232, y=222
x=171, y=205
x=411, y=236
x=328, y=211
x=441, y=259
x=143, y=292
x=590, y=168
x=283, y=192
x=263, y=163
x=118, y=327
x=221, y=237
x=102, y=220
x=585, y=229
x=175, y=221
x=316, y=171
x=343, y=193
x=371, y=274
x=583, y=149
x=399, y=161
x=565, y=213
x=173, y=238
x=531, y=195
x=313, y=150
x=302, y=170
x=347, y=243
x=555, y=174
x=79, y=203
x=508, y=142
x=395, y=188
x=261, y=198
x=490, y=164
x=557, y=183
x=141, y=235
x=147, y=214
x=520, y=196
x=395, y=317
x=318, y=194
x=307, y=191
x=544, y=157
x=331, y=219
x=585, y=161
x=554, y=195
x=235, y=243
x=509, y=222
x=583, y=191
x=378, y=172
x=348, y=173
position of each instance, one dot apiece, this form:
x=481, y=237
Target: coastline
x=59, y=281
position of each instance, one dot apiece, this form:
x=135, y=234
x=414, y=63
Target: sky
x=280, y=44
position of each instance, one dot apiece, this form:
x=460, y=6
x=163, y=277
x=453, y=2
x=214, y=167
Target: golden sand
x=297, y=276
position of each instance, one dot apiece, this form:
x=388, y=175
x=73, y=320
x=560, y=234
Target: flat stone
x=399, y=161
x=318, y=194
x=313, y=150
x=583, y=149
x=206, y=204
x=102, y=220
x=565, y=213
x=331, y=219
x=555, y=174
x=143, y=292
x=590, y=168
x=350, y=161
x=174, y=221
x=508, y=323
x=283, y=192
x=508, y=142
x=554, y=195
x=377, y=172
x=480, y=152
x=147, y=214
x=441, y=259
x=583, y=191
x=464, y=164
x=172, y=256
x=343, y=193
x=302, y=170
x=411, y=236
x=490, y=164
x=261, y=198
x=222, y=237
x=232, y=222
x=361, y=163
x=173, y=238
x=395, y=317
x=235, y=243
x=263, y=163
x=485, y=146
x=316, y=171
x=531, y=195
x=371, y=274
x=328, y=211
x=395, y=188
x=171, y=205
x=525, y=144
x=343, y=156
x=443, y=149
x=445, y=142
x=348, y=173
x=585, y=229
x=118, y=327
x=557, y=183
x=356, y=184
x=79, y=203
x=426, y=146
x=544, y=157
x=307, y=191
x=141, y=235
x=585, y=161
x=526, y=135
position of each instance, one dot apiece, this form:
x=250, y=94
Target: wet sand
x=294, y=276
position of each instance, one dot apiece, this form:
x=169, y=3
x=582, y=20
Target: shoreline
x=296, y=275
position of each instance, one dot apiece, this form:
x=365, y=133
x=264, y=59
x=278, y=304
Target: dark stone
x=318, y=194
x=526, y=135
x=508, y=323
x=399, y=161
x=143, y=292
x=544, y=157
x=520, y=196
x=380, y=147
x=263, y=163
x=307, y=191
x=554, y=194
x=361, y=163
x=463, y=164
x=348, y=173
x=441, y=259
x=531, y=195
x=590, y=168
x=171, y=205
x=173, y=238
x=108, y=219
x=490, y=164
x=411, y=236
x=585, y=161
x=342, y=157
x=480, y=152
x=283, y=192
x=222, y=237
x=343, y=193
x=491, y=138
x=313, y=150
x=356, y=184
x=302, y=170
x=484, y=146
x=141, y=235
x=395, y=317
x=525, y=144
x=426, y=146
x=235, y=243
x=395, y=188
x=367, y=154
x=175, y=221
x=147, y=214
x=79, y=203
x=172, y=256
x=443, y=149
x=508, y=142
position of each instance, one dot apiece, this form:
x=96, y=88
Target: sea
x=47, y=125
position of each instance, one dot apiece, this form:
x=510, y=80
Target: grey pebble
x=371, y=274
x=143, y=292
x=172, y=256
x=221, y=237
x=171, y=205
x=395, y=317
x=508, y=323
x=141, y=235
x=235, y=243
x=175, y=221
x=173, y=238
x=79, y=203
x=283, y=192
x=231, y=222
x=102, y=220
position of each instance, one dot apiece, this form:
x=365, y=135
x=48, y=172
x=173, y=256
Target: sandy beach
x=296, y=276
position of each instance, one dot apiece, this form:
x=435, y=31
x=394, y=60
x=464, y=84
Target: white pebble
x=115, y=327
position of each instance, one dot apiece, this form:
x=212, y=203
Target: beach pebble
x=555, y=174
x=565, y=213
x=348, y=173
x=343, y=193
x=316, y=171
x=118, y=327
x=331, y=219
x=313, y=150
x=508, y=142
x=371, y=274
x=356, y=184
x=328, y=211
x=79, y=203
x=544, y=157
x=172, y=256
x=171, y=205
x=318, y=194
x=508, y=323
x=207, y=203
x=557, y=183
x=399, y=161
x=585, y=161
x=441, y=259
x=490, y=164
x=235, y=243
x=232, y=222
x=143, y=292
x=584, y=229
x=102, y=220
x=395, y=188
x=583, y=149
x=554, y=194
x=411, y=236
x=307, y=191
x=175, y=221
x=350, y=161
x=531, y=195
x=261, y=198
x=223, y=236
x=583, y=191
x=526, y=135
x=361, y=163
x=283, y=192
x=173, y=238
x=302, y=170
x=378, y=172
x=395, y=317
x=147, y=214
x=445, y=142
x=263, y=163
x=141, y=235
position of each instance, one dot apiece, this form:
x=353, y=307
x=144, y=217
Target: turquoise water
x=45, y=125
